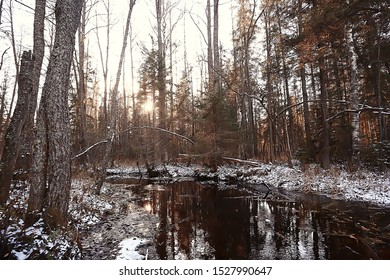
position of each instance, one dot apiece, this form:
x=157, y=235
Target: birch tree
x=355, y=120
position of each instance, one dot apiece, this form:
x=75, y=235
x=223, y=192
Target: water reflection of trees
x=202, y=222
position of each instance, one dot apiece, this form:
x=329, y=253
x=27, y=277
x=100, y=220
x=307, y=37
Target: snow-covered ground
x=335, y=182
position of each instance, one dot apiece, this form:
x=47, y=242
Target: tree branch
x=160, y=129
x=129, y=129
x=2, y=58
x=89, y=148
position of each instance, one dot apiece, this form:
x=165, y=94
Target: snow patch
x=129, y=249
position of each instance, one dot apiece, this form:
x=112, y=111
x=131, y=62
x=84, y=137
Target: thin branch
x=24, y=5
x=90, y=148
x=383, y=111
x=129, y=129
x=2, y=58
x=197, y=26
x=162, y=130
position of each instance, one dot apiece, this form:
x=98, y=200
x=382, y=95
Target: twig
x=2, y=58
x=88, y=149
x=160, y=129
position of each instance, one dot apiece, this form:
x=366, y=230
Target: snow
x=129, y=249
x=86, y=208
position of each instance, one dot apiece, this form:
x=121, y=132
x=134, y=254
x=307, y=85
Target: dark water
x=204, y=222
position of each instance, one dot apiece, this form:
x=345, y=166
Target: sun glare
x=148, y=106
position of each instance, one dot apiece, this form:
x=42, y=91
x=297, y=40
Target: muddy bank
x=110, y=218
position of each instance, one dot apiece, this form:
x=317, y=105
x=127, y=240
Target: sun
x=148, y=106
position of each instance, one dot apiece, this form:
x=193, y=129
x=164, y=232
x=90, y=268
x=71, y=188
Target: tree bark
x=27, y=136
x=51, y=180
x=12, y=137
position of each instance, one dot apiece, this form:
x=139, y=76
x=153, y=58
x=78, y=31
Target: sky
x=143, y=25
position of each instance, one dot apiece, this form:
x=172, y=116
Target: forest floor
x=113, y=226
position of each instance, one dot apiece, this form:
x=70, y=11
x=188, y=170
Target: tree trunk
x=270, y=95
x=354, y=96
x=114, y=108
x=302, y=74
x=209, y=48
x=12, y=136
x=51, y=180
x=161, y=71
x=81, y=118
x=216, y=64
x=104, y=63
x=27, y=136
x=325, y=147
x=290, y=129
x=1, y=9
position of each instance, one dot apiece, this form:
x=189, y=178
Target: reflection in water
x=201, y=222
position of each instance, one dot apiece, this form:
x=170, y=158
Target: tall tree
x=161, y=67
x=302, y=76
x=51, y=173
x=12, y=143
x=27, y=136
x=247, y=21
x=354, y=88
x=114, y=107
x=18, y=144
x=104, y=63
x=81, y=117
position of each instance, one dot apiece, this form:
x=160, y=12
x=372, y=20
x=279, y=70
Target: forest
x=97, y=86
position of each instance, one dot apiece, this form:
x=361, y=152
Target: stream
x=197, y=221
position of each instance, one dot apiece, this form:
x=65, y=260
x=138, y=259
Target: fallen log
x=248, y=162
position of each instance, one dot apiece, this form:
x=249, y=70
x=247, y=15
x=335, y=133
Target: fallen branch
x=253, y=163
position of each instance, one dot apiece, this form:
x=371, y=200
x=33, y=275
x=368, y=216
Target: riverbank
x=336, y=182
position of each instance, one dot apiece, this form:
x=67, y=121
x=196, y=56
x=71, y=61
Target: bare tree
x=19, y=133
x=114, y=106
x=355, y=120
x=27, y=136
x=12, y=143
x=81, y=118
x=51, y=172
x=104, y=61
x=161, y=68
